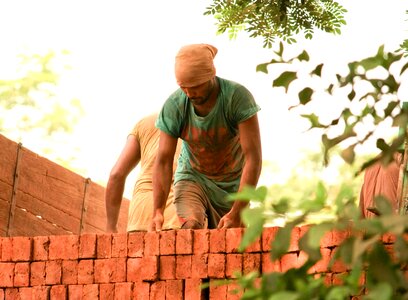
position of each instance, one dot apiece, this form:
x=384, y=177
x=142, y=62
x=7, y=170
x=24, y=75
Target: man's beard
x=203, y=100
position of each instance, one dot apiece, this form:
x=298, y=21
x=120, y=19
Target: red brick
x=201, y=241
x=288, y=261
x=141, y=290
x=119, y=245
x=135, y=244
x=150, y=270
x=69, y=272
x=40, y=292
x=216, y=265
x=184, y=241
x=251, y=262
x=53, y=272
x=338, y=278
x=75, y=292
x=269, y=266
x=123, y=290
x=21, y=248
x=104, y=245
x=40, y=247
x=106, y=291
x=302, y=258
x=91, y=292
x=168, y=242
x=64, y=247
x=322, y=266
x=6, y=249
x=103, y=270
x=304, y=229
x=339, y=267
x=22, y=274
x=86, y=271
x=234, y=291
x=37, y=273
x=25, y=293
x=199, y=266
x=6, y=274
x=192, y=289
x=183, y=266
x=87, y=245
x=110, y=270
x=58, y=292
x=152, y=243
x=167, y=267
x=326, y=240
x=294, y=239
x=233, y=237
x=158, y=290
x=233, y=265
x=11, y=293
x=217, y=292
x=268, y=236
x=174, y=290
x=338, y=237
x=255, y=246
x=217, y=240
x=145, y=268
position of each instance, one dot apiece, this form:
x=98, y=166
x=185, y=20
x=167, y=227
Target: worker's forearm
x=162, y=177
x=113, y=200
x=250, y=176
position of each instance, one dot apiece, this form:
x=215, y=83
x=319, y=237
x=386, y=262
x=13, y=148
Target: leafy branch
x=282, y=19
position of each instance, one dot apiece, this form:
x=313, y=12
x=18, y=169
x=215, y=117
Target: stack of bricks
x=169, y=264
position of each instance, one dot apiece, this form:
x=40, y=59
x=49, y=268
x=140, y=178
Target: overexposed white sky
x=122, y=56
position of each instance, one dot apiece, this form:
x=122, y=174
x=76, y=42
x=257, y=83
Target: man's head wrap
x=194, y=64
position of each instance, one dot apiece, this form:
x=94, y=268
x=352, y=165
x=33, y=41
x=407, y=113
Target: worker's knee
x=192, y=224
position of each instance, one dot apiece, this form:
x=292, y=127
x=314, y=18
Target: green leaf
x=305, y=95
x=383, y=205
x=317, y=71
x=338, y=293
x=282, y=206
x=287, y=295
x=361, y=246
x=348, y=154
x=262, y=68
x=249, y=193
x=255, y=220
x=284, y=79
x=304, y=56
x=381, y=291
x=280, y=244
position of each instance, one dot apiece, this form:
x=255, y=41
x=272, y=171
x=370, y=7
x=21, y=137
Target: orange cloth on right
x=380, y=180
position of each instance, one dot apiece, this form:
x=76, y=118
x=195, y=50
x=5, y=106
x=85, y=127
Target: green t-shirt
x=211, y=152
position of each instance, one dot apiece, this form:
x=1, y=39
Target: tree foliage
x=31, y=97
x=371, y=90
x=32, y=106
x=282, y=19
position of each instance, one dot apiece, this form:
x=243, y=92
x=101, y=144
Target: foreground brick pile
x=143, y=265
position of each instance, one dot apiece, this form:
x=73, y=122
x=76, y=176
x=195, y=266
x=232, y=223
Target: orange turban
x=194, y=64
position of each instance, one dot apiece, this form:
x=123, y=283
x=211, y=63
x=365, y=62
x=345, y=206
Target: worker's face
x=198, y=95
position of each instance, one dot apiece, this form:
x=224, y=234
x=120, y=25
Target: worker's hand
x=157, y=222
x=230, y=220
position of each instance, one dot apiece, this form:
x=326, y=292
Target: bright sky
x=122, y=55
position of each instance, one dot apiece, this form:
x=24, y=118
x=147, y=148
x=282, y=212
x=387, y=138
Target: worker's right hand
x=157, y=222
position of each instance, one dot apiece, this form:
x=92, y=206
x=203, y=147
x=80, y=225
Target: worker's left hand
x=230, y=220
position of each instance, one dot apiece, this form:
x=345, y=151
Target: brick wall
x=169, y=264
x=40, y=197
